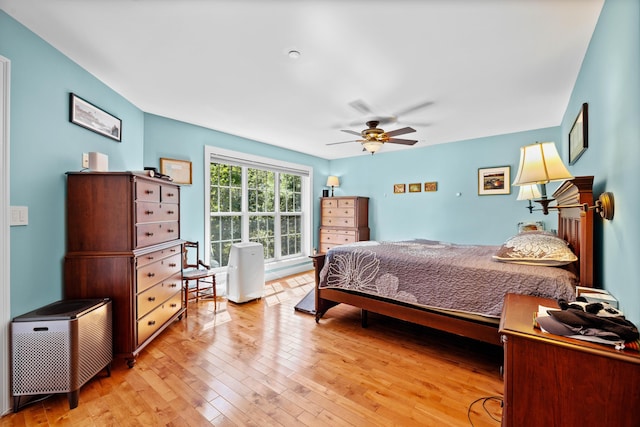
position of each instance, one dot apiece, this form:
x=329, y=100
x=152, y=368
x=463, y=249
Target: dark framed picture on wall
x=87, y=115
x=492, y=181
x=579, y=135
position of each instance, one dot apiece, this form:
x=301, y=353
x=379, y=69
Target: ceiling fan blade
x=343, y=142
x=402, y=141
x=353, y=132
x=360, y=106
x=401, y=131
x=414, y=108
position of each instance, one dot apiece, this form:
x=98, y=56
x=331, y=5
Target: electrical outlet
x=85, y=160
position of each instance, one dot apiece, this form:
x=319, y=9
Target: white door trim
x=5, y=283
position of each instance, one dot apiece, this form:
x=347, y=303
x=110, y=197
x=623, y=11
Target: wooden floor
x=262, y=363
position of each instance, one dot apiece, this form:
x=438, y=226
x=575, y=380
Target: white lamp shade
x=529, y=192
x=333, y=181
x=372, y=146
x=539, y=164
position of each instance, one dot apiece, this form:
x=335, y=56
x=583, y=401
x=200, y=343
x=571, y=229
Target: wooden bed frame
x=575, y=225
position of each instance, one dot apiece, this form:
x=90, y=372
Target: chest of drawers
x=123, y=242
x=343, y=220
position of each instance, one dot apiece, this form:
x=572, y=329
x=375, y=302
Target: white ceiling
x=487, y=67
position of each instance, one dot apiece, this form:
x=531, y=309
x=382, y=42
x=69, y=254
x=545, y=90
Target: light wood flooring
x=263, y=364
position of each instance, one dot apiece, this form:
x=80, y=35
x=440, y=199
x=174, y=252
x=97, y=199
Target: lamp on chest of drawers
x=332, y=182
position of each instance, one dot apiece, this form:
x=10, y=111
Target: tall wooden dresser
x=123, y=242
x=343, y=220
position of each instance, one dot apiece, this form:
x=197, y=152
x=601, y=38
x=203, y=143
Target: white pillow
x=536, y=248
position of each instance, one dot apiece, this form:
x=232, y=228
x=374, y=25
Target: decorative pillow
x=536, y=248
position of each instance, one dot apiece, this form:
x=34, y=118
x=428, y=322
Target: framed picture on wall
x=88, y=116
x=178, y=170
x=579, y=135
x=493, y=181
x=399, y=188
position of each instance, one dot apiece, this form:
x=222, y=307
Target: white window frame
x=235, y=157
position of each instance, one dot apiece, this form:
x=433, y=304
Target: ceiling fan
x=373, y=138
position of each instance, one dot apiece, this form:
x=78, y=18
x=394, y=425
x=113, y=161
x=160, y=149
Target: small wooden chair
x=195, y=270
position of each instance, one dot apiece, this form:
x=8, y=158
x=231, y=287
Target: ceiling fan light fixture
x=372, y=146
x=294, y=54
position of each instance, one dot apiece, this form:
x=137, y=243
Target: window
x=257, y=200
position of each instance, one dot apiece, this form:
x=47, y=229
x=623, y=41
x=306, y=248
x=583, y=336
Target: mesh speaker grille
x=94, y=340
x=41, y=363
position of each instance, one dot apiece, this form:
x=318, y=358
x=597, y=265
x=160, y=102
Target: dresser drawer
x=338, y=212
x=147, y=191
x=338, y=221
x=169, y=194
x=145, y=259
x=158, y=271
x=158, y=317
x=155, y=295
x=154, y=233
x=337, y=237
x=154, y=212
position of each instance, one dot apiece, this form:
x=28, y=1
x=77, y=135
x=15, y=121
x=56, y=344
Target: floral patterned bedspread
x=440, y=275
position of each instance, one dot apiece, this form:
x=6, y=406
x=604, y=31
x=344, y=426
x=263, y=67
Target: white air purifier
x=245, y=272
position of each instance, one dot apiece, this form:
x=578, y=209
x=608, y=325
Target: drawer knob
x=174, y=305
x=151, y=322
x=170, y=230
x=151, y=274
x=149, y=257
x=170, y=212
x=173, y=285
x=149, y=212
x=149, y=234
x=152, y=299
x=170, y=194
x=173, y=264
x=149, y=191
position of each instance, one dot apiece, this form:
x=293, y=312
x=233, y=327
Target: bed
x=336, y=283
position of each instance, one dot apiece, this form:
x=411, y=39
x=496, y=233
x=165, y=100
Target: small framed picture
x=399, y=188
x=530, y=226
x=178, y=170
x=493, y=181
x=579, y=135
x=431, y=186
x=415, y=188
x=88, y=116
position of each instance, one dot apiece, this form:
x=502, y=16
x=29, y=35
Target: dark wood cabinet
x=551, y=380
x=123, y=242
x=343, y=220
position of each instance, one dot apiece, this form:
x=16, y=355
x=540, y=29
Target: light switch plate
x=19, y=215
x=85, y=160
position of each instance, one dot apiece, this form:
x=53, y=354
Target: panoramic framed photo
x=493, y=181
x=579, y=135
x=88, y=116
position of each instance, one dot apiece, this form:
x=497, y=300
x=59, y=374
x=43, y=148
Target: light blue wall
x=45, y=145
x=174, y=139
x=442, y=215
x=609, y=82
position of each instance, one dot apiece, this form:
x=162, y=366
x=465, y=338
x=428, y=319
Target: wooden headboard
x=575, y=225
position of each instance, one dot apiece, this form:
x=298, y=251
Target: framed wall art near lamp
x=492, y=181
x=88, y=116
x=579, y=135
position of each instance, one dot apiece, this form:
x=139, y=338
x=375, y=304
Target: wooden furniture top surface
x=517, y=320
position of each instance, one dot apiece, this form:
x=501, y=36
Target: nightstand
x=550, y=380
